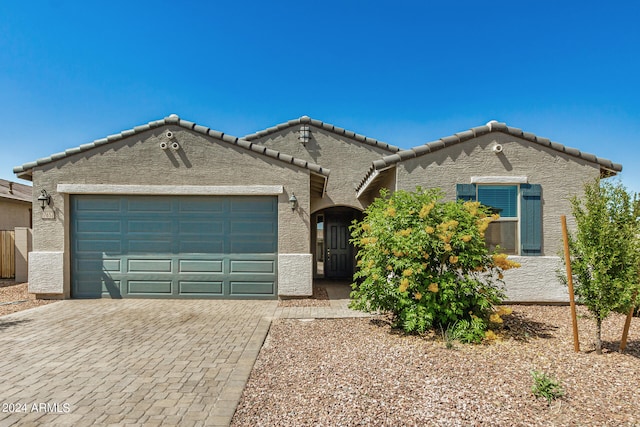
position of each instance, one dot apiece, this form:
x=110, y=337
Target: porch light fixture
x=293, y=202
x=44, y=198
x=305, y=134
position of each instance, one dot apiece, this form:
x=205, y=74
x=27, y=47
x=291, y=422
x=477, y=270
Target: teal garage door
x=174, y=247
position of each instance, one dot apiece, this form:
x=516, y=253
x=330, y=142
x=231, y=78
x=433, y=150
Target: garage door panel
x=201, y=227
x=201, y=246
x=96, y=287
x=149, y=287
x=96, y=204
x=149, y=246
x=252, y=288
x=252, y=267
x=98, y=264
x=202, y=205
x=149, y=205
x=149, y=265
x=201, y=288
x=200, y=266
x=174, y=247
x=252, y=204
x=249, y=246
x=146, y=226
x=99, y=226
x=99, y=246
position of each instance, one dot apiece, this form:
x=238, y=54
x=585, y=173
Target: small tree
x=427, y=263
x=605, y=251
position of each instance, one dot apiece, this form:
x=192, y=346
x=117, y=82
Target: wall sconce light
x=293, y=202
x=305, y=134
x=44, y=198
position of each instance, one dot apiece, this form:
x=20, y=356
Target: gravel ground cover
x=320, y=298
x=19, y=296
x=351, y=372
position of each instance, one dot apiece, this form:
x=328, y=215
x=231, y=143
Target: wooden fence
x=7, y=254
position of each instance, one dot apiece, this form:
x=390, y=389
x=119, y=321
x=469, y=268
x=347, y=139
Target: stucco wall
x=347, y=159
x=201, y=160
x=561, y=176
x=14, y=214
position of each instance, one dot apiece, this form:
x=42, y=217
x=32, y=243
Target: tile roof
x=492, y=126
x=175, y=120
x=15, y=191
x=326, y=126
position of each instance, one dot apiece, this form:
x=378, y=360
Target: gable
x=25, y=171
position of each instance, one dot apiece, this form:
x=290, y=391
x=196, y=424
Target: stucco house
x=15, y=224
x=175, y=209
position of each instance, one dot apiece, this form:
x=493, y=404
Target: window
x=503, y=200
x=519, y=229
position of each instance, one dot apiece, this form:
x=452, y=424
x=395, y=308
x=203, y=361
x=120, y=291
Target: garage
x=129, y=246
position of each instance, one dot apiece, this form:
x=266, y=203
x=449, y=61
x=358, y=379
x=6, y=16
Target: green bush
x=546, y=386
x=426, y=262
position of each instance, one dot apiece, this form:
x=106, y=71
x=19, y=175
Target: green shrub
x=426, y=262
x=546, y=386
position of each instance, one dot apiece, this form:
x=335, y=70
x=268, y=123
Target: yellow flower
x=364, y=241
x=375, y=276
x=505, y=311
x=501, y=261
x=404, y=233
x=391, y=211
x=373, y=239
x=429, y=229
x=453, y=259
x=495, y=318
x=426, y=209
x=433, y=287
x=366, y=227
x=404, y=285
x=495, y=217
x=359, y=262
x=466, y=238
x=408, y=272
x=370, y=263
x=447, y=247
x=397, y=253
x=490, y=335
x=389, y=267
x=417, y=296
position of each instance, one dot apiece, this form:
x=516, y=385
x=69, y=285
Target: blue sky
x=405, y=72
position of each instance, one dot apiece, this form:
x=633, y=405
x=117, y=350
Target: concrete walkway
x=136, y=362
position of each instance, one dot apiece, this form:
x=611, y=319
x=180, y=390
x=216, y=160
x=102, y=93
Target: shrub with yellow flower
x=404, y=285
x=433, y=287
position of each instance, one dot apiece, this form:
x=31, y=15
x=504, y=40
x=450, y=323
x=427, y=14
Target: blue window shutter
x=531, y=219
x=466, y=192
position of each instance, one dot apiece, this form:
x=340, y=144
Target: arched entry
x=333, y=252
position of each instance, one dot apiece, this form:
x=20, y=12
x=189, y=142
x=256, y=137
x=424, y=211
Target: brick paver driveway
x=152, y=362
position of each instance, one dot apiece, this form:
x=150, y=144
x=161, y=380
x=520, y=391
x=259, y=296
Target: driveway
x=151, y=362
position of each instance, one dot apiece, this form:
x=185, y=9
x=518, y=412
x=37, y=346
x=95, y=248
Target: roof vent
x=305, y=134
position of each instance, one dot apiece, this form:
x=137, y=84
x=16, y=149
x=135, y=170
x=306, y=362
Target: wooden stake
x=572, y=302
x=627, y=323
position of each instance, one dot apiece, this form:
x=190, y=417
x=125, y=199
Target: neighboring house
x=15, y=205
x=15, y=212
x=174, y=209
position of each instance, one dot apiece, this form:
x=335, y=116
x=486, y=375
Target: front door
x=339, y=255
